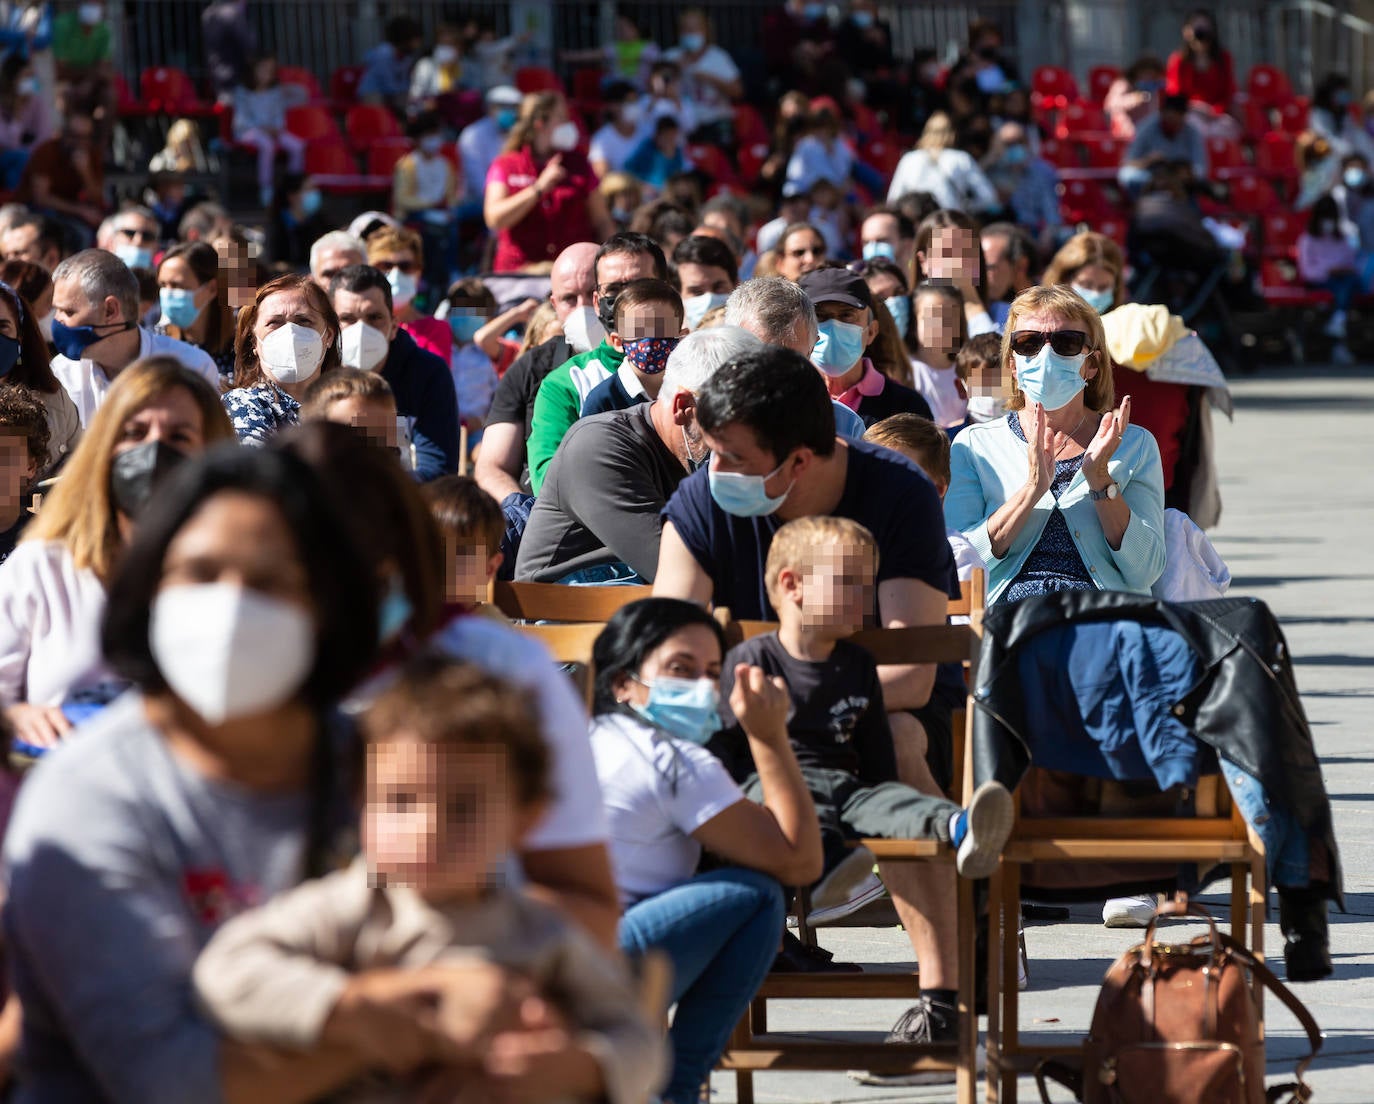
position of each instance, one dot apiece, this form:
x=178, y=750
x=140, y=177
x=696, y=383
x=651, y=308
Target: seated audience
x=707, y=273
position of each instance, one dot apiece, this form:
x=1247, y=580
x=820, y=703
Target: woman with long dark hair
x=25, y=360
x=195, y=304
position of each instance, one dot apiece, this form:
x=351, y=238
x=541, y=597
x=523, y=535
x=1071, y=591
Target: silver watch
x=1109, y=492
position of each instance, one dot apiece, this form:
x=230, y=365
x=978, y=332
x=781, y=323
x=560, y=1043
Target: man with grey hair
x=132, y=235
x=597, y=519
x=96, y=332
x=778, y=312
x=331, y=254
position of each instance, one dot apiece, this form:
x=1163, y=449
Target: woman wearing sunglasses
x=1064, y=493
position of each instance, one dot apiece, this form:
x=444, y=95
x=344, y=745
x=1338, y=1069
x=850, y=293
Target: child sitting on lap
x=456, y=774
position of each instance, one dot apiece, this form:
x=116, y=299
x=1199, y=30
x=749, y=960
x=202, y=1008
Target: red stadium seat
x=883, y=154
x=1293, y=115
x=1080, y=118
x=1258, y=121
x=1276, y=157
x=1061, y=155
x=1268, y=86
x=1280, y=286
x=749, y=125
x=1225, y=158
x=1083, y=201
x=751, y=156
x=127, y=104
x=1052, y=82
x=367, y=123
x=326, y=158
x=713, y=163
x=301, y=78
x=1281, y=232
x=1251, y=195
x=343, y=86
x=167, y=90
x=313, y=123
x=383, y=154
x=1104, y=152
x=586, y=91
x=1114, y=228
x=1100, y=80
x=535, y=78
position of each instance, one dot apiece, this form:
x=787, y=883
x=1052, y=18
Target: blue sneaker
x=979, y=832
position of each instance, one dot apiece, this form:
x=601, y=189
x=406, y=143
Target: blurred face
x=17, y=468
x=172, y=418
x=721, y=220
x=1096, y=277
x=376, y=418
x=882, y=228
x=72, y=308
x=883, y=285
x=468, y=571
x=439, y=817
x=403, y=259
x=998, y=269
x=648, y=320
x=704, y=280
x=572, y=283
x=801, y=253
x=1170, y=122
x=836, y=592
x=134, y=229
x=368, y=306
x=618, y=269
x=333, y=261
x=23, y=243
x=953, y=255
x=283, y=307
x=692, y=652
x=1048, y=322
x=937, y=323
x=176, y=273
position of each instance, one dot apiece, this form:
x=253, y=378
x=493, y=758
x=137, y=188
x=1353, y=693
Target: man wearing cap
x=844, y=311
x=480, y=143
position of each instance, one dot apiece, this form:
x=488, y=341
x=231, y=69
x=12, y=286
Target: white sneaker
x=1131, y=912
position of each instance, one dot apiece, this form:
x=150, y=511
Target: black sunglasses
x=1028, y=343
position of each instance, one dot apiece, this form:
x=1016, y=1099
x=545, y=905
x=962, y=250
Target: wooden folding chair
x=1218, y=835
x=753, y=1048
x=570, y=644
x=557, y=602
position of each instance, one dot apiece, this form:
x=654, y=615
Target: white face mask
x=698, y=306
x=403, y=287
x=362, y=346
x=583, y=330
x=291, y=354
x=564, y=136
x=228, y=651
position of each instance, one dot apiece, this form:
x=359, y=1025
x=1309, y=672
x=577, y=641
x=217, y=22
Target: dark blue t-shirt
x=883, y=491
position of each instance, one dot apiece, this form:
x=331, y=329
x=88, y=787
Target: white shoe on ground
x=1130, y=912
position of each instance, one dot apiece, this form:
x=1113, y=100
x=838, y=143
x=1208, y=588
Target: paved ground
x=1297, y=531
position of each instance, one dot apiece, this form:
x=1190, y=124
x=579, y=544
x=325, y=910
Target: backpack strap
x=1062, y=1071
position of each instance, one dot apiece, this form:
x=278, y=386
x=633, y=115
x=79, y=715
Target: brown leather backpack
x=1181, y=1024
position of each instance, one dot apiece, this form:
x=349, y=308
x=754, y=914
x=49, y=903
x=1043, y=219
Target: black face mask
x=136, y=473
x=605, y=308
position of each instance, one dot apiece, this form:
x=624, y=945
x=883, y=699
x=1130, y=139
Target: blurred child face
x=647, y=333
x=937, y=324
x=468, y=571
x=836, y=592
x=17, y=468
x=953, y=255
x=375, y=417
x=439, y=817
x=987, y=380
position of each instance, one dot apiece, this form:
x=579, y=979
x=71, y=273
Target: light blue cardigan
x=988, y=465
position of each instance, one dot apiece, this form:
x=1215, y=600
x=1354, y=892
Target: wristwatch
x=1110, y=491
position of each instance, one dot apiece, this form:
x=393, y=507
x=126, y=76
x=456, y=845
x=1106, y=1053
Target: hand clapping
x=1104, y=445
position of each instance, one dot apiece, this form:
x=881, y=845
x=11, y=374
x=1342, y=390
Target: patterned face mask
x=650, y=354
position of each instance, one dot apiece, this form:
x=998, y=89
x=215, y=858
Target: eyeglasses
x=1028, y=343
x=136, y=235
x=385, y=267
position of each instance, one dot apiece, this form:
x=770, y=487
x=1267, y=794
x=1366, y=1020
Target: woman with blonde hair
x=543, y=324
x=938, y=167
x=1094, y=266
x=1064, y=493
x=52, y=587
x=541, y=191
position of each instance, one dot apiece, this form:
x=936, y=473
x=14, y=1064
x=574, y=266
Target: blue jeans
x=721, y=931
x=607, y=574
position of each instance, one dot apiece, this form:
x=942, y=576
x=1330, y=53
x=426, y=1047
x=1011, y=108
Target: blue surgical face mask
x=688, y=709
x=1100, y=301
x=134, y=256
x=899, y=306
x=394, y=613
x=744, y=495
x=310, y=202
x=179, y=306
x=1050, y=379
x=1355, y=177
x=838, y=348
x=465, y=326
x=1015, y=155
x=505, y=118
x=862, y=19
x=875, y=249
x=693, y=42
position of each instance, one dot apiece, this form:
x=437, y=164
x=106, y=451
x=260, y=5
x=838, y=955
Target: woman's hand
x=554, y=174
x=38, y=725
x=1104, y=445
x=760, y=703
x=1039, y=453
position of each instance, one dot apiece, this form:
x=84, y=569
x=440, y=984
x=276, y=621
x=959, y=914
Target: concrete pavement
x=1297, y=480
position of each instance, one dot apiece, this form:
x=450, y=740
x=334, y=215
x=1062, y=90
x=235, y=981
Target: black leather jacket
x=1246, y=706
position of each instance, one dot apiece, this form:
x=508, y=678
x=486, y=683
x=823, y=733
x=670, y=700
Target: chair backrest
x=301, y=78
x=1051, y=80
x=536, y=78
x=1100, y=81
x=1269, y=85
x=311, y=122
x=383, y=154
x=1104, y=152
x=329, y=158
x=167, y=88
x=364, y=122
x=1281, y=232
x=1293, y=116
x=343, y=85
x=1253, y=196
x=570, y=645
x=554, y=602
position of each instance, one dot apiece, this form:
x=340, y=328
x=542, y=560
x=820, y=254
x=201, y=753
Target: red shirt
x=560, y=218
x=1215, y=85
x=1162, y=408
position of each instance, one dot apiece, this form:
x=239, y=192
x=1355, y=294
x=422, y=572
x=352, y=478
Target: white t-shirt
x=86, y=382
x=50, y=614
x=577, y=817
x=936, y=386
x=658, y=791
x=714, y=62
x=612, y=147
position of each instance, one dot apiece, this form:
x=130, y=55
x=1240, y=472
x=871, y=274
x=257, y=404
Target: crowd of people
x=292, y=810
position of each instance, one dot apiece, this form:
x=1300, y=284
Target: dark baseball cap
x=836, y=285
